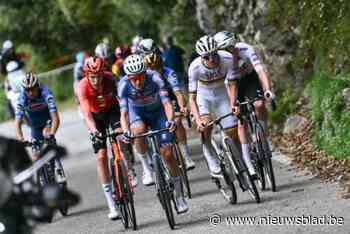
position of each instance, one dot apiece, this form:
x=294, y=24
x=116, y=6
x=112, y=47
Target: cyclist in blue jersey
x=37, y=103
x=144, y=104
x=154, y=62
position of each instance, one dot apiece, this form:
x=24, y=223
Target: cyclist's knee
x=260, y=104
x=232, y=133
x=102, y=155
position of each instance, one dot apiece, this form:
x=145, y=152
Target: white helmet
x=12, y=66
x=225, y=39
x=146, y=46
x=7, y=45
x=101, y=50
x=134, y=64
x=206, y=45
x=136, y=40
x=30, y=80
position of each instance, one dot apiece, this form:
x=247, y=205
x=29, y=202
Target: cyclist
x=254, y=80
x=99, y=103
x=154, y=62
x=102, y=51
x=121, y=52
x=207, y=77
x=78, y=75
x=37, y=102
x=145, y=104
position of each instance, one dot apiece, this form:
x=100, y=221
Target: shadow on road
x=88, y=211
x=296, y=185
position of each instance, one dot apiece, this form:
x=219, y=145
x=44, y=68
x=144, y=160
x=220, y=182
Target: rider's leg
x=245, y=147
x=261, y=113
x=182, y=141
x=138, y=128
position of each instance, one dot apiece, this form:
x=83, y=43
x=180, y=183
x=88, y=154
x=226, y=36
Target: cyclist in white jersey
x=254, y=80
x=210, y=76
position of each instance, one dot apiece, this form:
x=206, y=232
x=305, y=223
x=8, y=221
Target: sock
x=185, y=150
x=246, y=156
x=144, y=161
x=177, y=186
x=207, y=151
x=107, y=189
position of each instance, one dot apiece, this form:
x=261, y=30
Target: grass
x=329, y=114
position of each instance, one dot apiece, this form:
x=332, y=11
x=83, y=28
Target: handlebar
x=217, y=120
x=150, y=133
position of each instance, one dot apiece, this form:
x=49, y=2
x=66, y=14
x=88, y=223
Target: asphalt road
x=311, y=206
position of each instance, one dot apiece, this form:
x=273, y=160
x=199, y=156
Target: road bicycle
x=261, y=152
x=122, y=189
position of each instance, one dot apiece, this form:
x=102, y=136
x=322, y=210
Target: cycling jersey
x=98, y=100
x=248, y=60
x=148, y=99
x=171, y=81
x=203, y=80
x=209, y=84
x=146, y=105
x=37, y=109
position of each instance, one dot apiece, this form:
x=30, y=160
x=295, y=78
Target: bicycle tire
x=270, y=175
x=163, y=193
x=260, y=157
x=46, y=181
x=183, y=171
x=63, y=210
x=128, y=196
x=242, y=169
x=122, y=201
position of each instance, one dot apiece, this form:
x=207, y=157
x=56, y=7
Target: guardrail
x=56, y=71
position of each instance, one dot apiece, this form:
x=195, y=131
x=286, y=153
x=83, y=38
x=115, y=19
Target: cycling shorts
x=155, y=120
x=249, y=86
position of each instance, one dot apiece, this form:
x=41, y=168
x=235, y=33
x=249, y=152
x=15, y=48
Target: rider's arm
x=123, y=102
x=258, y=66
x=169, y=111
x=180, y=99
x=55, y=118
x=176, y=87
x=164, y=96
x=84, y=104
x=192, y=88
x=18, y=125
x=232, y=91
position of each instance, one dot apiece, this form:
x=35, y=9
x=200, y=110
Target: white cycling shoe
x=147, y=178
x=214, y=168
x=190, y=165
x=113, y=214
x=181, y=205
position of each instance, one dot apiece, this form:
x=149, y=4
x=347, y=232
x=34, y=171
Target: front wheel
x=164, y=194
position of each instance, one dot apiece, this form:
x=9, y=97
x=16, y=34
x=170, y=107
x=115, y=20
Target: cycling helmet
x=94, y=65
x=7, y=45
x=134, y=65
x=153, y=60
x=12, y=66
x=224, y=39
x=206, y=45
x=80, y=56
x=101, y=50
x=147, y=46
x=30, y=80
x=136, y=40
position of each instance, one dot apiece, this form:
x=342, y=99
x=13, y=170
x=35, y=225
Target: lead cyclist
x=254, y=80
x=208, y=75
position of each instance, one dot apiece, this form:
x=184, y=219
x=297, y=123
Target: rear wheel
x=164, y=194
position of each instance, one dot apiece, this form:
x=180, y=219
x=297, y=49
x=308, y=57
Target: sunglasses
x=138, y=77
x=212, y=56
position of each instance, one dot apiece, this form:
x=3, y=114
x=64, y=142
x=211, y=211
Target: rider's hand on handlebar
x=126, y=137
x=96, y=137
x=171, y=124
x=50, y=139
x=269, y=95
x=201, y=124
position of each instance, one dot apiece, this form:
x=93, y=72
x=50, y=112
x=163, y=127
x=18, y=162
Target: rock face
x=294, y=124
x=247, y=18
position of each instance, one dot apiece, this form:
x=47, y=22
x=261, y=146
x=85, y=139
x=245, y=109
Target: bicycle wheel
x=43, y=180
x=260, y=157
x=63, y=210
x=227, y=172
x=122, y=200
x=128, y=195
x=163, y=191
x=246, y=180
x=270, y=175
x=183, y=171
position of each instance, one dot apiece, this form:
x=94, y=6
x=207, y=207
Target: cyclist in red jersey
x=99, y=103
